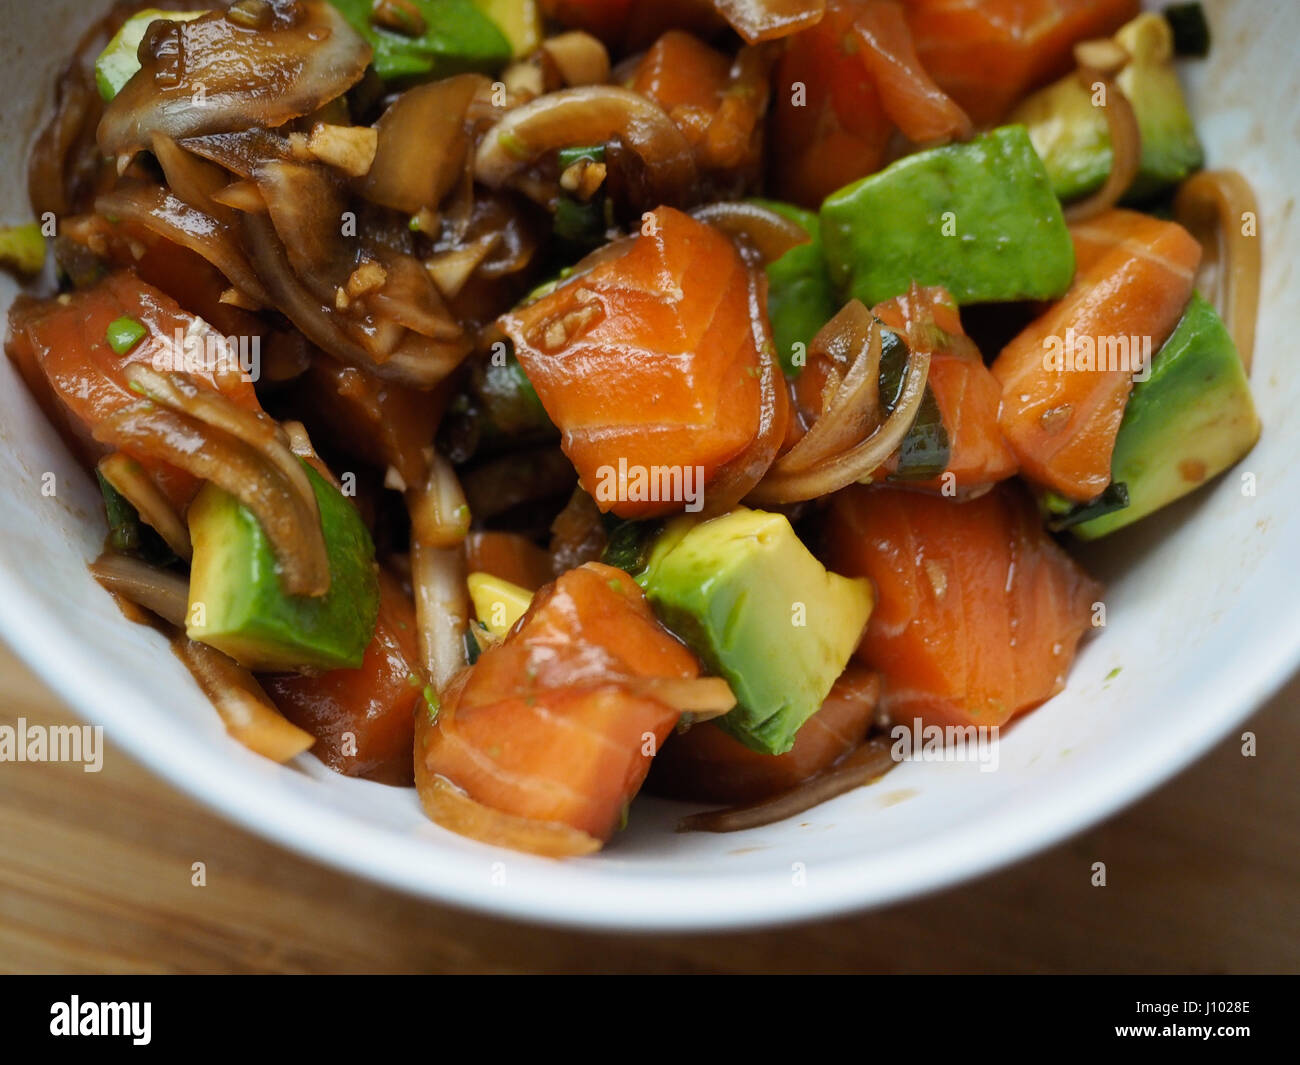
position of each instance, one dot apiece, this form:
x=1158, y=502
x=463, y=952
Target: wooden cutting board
x=95, y=876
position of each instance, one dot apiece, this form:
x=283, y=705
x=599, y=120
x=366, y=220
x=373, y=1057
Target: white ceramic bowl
x=1203, y=624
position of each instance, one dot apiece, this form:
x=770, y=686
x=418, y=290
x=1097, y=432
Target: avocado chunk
x=23, y=248
x=800, y=296
x=978, y=218
x=1189, y=421
x=498, y=603
x=519, y=20
x=746, y=596
x=454, y=37
x=117, y=63
x=1073, y=139
x=237, y=604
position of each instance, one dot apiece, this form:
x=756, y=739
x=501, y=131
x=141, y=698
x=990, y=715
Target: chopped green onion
x=123, y=334
x=592, y=153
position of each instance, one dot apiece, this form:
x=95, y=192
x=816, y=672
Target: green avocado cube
x=1189, y=421
x=745, y=594
x=117, y=63
x=1071, y=134
x=456, y=37
x=978, y=218
x=800, y=296
x=238, y=606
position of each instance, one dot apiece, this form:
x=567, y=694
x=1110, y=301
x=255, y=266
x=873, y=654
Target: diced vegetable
x=498, y=603
x=364, y=719
x=977, y=218
x=23, y=248
x=1188, y=422
x=123, y=334
x=117, y=63
x=455, y=36
x=978, y=610
x=545, y=725
x=800, y=297
x=1066, y=378
x=127, y=534
x=1071, y=135
x=237, y=603
x=705, y=764
x=745, y=594
x=519, y=20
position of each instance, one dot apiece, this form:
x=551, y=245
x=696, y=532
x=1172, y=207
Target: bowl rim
x=351, y=843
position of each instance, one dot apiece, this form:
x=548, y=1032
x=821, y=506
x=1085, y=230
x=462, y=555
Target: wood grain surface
x=1203, y=876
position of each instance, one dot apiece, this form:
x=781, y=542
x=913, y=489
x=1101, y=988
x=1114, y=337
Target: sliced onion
x=290, y=523
x=439, y=513
x=590, y=114
x=305, y=202
x=422, y=145
x=252, y=427
x=441, y=609
x=451, y=269
x=1213, y=206
x=245, y=708
x=770, y=234
x=450, y=807
x=65, y=164
x=213, y=75
x=240, y=196
x=241, y=152
x=702, y=697
x=193, y=179
x=516, y=240
x=736, y=479
x=868, y=763
x=314, y=319
x=851, y=338
x=154, y=508
x=765, y=20
x=157, y=210
x=161, y=591
x=858, y=462
x=410, y=298
x=423, y=362
x=1125, y=146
